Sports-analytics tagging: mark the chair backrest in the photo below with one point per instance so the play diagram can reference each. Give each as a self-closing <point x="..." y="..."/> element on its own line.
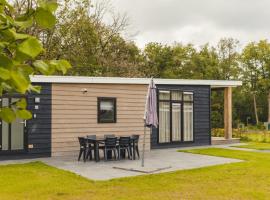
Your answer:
<point x="91" y="137"/>
<point x="109" y="135"/>
<point x="82" y="141"/>
<point x="136" y="138"/>
<point x="124" y="141"/>
<point x="110" y="141"/>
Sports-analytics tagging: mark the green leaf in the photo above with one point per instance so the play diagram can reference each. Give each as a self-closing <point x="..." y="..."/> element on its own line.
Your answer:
<point x="7" y="114"/>
<point x="11" y="33"/>
<point x="20" y="57"/>
<point x="35" y="88"/>
<point x="5" y="3"/>
<point x="61" y="65"/>
<point x="25" y="69"/>
<point x="52" y="69"/>
<point x="42" y="67"/>
<point x="21" y="103"/>
<point x="20" y="82"/>
<point x="5" y="86"/>
<point x="3" y="44"/>
<point x="23" y="114"/>
<point x="24" y="24"/>
<point x="4" y="73"/>
<point x="48" y="5"/>
<point x="44" y="18"/>
<point x="5" y="61"/>
<point x="30" y="47"/>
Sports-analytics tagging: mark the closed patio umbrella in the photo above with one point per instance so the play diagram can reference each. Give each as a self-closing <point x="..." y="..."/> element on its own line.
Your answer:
<point x="150" y="114"/>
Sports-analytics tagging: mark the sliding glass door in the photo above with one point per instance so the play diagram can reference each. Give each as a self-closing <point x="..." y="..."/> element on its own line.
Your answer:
<point x="12" y="135"/>
<point x="175" y="116"/>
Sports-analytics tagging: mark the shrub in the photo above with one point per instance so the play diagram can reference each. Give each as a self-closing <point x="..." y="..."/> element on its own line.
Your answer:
<point x="244" y="135"/>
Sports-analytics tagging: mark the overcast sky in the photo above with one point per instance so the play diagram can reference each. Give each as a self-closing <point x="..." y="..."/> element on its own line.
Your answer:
<point x="196" y="21"/>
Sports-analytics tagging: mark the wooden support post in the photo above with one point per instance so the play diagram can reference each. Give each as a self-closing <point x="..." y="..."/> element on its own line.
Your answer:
<point x="228" y="113"/>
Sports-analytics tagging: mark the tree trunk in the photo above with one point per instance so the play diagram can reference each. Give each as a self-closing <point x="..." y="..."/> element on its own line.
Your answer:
<point x="255" y="109"/>
<point x="269" y="106"/>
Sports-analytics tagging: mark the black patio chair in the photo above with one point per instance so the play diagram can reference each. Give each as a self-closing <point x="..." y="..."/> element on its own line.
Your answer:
<point x="109" y="135"/>
<point x="136" y="143"/>
<point x="124" y="146"/>
<point x="91" y="136"/>
<point x="83" y="148"/>
<point x="90" y="147"/>
<point x="110" y="145"/>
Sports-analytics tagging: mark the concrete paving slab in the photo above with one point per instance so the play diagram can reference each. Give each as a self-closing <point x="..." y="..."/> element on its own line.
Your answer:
<point x="156" y="161"/>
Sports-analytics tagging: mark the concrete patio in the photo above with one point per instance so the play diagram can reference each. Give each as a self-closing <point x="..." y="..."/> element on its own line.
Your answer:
<point x="155" y="161"/>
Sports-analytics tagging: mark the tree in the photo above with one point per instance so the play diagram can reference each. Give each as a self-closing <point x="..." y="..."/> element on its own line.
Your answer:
<point x="251" y="73"/>
<point x="182" y="64"/>
<point x="263" y="47"/>
<point x="74" y="38"/>
<point x="157" y="60"/>
<point x="96" y="48"/>
<point x="102" y="50"/>
<point x="205" y="63"/>
<point x="228" y="58"/>
<point x="256" y="76"/>
<point x="20" y="52"/>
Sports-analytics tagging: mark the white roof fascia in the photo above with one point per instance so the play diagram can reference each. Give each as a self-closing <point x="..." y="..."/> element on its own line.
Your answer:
<point x="141" y="81"/>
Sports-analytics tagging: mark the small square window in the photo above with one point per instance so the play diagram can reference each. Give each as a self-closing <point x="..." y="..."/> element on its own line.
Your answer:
<point x="176" y="95"/>
<point x="106" y="110"/>
<point x="164" y="94"/>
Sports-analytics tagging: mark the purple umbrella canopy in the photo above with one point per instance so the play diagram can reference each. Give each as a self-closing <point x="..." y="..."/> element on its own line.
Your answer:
<point x="150" y="114"/>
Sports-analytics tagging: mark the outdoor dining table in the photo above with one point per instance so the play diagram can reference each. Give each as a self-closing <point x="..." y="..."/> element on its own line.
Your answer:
<point x="101" y="140"/>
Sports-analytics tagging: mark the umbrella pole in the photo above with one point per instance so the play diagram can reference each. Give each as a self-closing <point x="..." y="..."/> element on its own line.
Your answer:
<point x="143" y="145"/>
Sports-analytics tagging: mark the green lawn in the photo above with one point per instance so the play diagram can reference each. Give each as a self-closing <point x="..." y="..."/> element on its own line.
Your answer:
<point x="255" y="145"/>
<point x="244" y="180"/>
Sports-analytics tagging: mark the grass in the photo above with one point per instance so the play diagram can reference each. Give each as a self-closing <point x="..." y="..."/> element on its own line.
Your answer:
<point x="245" y="135"/>
<point x="241" y="181"/>
<point x="263" y="137"/>
<point x="255" y="145"/>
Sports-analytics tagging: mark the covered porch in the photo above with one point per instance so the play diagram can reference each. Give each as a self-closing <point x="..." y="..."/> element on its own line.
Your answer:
<point x="227" y="117"/>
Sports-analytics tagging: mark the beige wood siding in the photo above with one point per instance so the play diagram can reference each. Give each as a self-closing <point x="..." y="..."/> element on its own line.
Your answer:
<point x="74" y="113"/>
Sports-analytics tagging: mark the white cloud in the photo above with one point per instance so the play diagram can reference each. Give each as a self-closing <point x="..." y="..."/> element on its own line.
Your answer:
<point x="196" y="21"/>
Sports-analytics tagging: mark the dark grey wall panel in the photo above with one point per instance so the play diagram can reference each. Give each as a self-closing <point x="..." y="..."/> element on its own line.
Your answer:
<point x="202" y="127"/>
<point x="39" y="128"/>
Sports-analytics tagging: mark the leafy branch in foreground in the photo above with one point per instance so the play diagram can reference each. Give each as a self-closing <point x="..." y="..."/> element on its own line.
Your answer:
<point x="19" y="53"/>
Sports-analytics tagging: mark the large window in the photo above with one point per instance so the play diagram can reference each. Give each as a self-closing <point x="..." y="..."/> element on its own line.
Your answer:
<point x="175" y="116"/>
<point x="106" y="110"/>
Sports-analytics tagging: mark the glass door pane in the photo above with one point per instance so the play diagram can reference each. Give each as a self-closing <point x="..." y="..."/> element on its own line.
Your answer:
<point x="5" y="127"/>
<point x="164" y="122"/>
<point x="12" y="135"/>
<point x="17" y="135"/>
<point x="17" y="132"/>
<point x="188" y="121"/>
<point x="176" y="122"/>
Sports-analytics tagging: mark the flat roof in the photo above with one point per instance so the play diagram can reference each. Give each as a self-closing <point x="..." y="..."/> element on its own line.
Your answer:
<point x="141" y="81"/>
